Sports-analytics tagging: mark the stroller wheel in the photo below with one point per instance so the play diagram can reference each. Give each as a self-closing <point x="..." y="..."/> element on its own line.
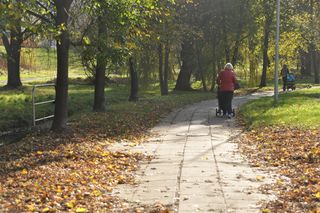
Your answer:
<point x="233" y="113"/>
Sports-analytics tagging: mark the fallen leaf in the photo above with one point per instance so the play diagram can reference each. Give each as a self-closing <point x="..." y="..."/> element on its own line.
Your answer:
<point x="81" y="210"/>
<point x="24" y="172"/>
<point x="317" y="195"/>
<point x="259" y="178"/>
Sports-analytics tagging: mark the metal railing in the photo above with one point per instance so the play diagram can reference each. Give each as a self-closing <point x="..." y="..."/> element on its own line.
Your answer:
<point x="34" y="103"/>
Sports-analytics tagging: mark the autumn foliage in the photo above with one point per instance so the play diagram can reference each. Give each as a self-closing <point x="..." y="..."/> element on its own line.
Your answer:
<point x="295" y="154"/>
<point x="76" y="172"/>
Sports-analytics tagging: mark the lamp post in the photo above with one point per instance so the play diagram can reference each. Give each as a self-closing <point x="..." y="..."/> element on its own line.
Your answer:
<point x="276" y="73"/>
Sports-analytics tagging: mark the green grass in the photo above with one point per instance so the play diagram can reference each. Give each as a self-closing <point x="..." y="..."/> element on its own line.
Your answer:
<point x="16" y="106"/>
<point x="295" y="109"/>
<point x="40" y="64"/>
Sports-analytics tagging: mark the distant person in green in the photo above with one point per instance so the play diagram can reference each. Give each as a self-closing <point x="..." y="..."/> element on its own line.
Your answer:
<point x="284" y="74"/>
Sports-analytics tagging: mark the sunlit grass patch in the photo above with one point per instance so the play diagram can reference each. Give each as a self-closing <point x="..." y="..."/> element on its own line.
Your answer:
<point x="295" y="109"/>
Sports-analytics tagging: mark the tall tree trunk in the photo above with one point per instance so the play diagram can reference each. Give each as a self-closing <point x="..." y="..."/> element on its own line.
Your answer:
<point x="63" y="42"/>
<point x="184" y="77"/>
<point x="13" y="49"/>
<point x="134" y="81"/>
<point x="146" y="66"/>
<point x="309" y="65"/>
<point x="252" y="58"/>
<point x="99" y="93"/>
<point x="161" y="80"/>
<point x="200" y="70"/>
<point x="317" y="61"/>
<point x="239" y="33"/>
<point x="315" y="67"/>
<point x="252" y="65"/>
<point x="166" y="69"/>
<point x="265" y="65"/>
<point x="303" y="62"/>
<point x="312" y="45"/>
<point x="224" y="31"/>
<point x="214" y="62"/>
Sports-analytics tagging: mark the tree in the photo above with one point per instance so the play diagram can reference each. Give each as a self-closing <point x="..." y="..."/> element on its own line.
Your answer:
<point x="63" y="44"/>
<point x="134" y="85"/>
<point x="55" y="16"/>
<point x="187" y="58"/>
<point x="104" y="42"/>
<point x="99" y="94"/>
<point x="187" y="53"/>
<point x="268" y="12"/>
<point x="15" y="27"/>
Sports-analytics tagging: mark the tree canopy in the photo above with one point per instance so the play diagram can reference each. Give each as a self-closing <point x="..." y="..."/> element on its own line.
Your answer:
<point x="180" y="40"/>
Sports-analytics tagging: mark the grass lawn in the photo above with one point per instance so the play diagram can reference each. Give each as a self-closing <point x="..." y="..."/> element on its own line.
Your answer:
<point x="295" y="109"/>
<point x="39" y="63"/>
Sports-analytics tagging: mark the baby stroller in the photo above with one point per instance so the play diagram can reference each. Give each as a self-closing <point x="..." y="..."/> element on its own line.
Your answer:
<point x="291" y="81"/>
<point x="219" y="111"/>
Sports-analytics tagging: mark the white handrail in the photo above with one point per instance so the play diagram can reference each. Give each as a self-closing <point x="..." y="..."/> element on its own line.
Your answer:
<point x="34" y="104"/>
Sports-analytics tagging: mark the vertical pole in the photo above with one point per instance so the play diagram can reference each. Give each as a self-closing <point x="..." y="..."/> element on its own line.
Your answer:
<point x="33" y="106"/>
<point x="276" y="73"/>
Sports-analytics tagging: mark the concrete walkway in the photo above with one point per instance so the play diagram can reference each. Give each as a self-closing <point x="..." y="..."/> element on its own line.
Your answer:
<point x="197" y="167"/>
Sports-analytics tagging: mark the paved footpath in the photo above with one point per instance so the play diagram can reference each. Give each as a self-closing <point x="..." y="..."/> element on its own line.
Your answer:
<point x="197" y="167"/>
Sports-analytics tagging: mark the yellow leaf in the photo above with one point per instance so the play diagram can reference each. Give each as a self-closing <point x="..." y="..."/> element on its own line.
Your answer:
<point x="96" y="193"/>
<point x="81" y="210"/>
<point x="259" y="178"/>
<point x="266" y="210"/>
<point x="69" y="205"/>
<point x="104" y="154"/>
<point x="39" y="152"/>
<point x="59" y="190"/>
<point x="45" y="209"/>
<point x="280" y="182"/>
<point x="24" y="172"/>
<point x="31" y="208"/>
<point x="317" y="195"/>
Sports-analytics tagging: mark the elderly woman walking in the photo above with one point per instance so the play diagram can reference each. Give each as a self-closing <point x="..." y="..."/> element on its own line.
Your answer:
<point x="226" y="82"/>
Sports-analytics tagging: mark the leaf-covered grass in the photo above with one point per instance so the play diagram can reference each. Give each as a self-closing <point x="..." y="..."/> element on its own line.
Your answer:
<point x="286" y="138"/>
<point x="77" y="171"/>
<point x="296" y="109"/>
<point x="17" y="104"/>
<point x="295" y="155"/>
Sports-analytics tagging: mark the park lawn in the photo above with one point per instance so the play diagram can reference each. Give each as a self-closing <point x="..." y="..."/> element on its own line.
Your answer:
<point x="17" y="105"/>
<point x="41" y="63"/>
<point x="286" y="137"/>
<point x="295" y="109"/>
